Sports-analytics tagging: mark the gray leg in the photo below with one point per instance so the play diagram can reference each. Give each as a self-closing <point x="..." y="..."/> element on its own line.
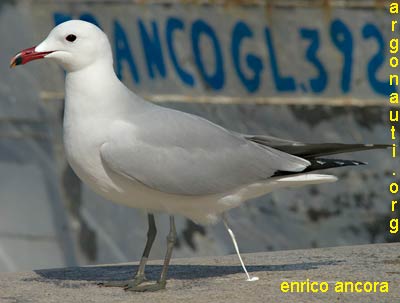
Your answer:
<point x="171" y="239"/>
<point x="139" y="276"/>
<point x="162" y="282"/>
<point x="151" y="235"/>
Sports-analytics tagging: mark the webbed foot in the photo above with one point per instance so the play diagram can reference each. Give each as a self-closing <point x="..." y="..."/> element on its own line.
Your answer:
<point x="124" y="283"/>
<point x="147" y="287"/>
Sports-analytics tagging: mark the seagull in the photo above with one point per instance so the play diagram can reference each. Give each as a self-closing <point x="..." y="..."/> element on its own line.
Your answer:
<point x="146" y="156"/>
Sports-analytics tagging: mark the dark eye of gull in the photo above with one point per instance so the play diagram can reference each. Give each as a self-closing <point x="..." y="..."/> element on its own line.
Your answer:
<point x="70" y="38"/>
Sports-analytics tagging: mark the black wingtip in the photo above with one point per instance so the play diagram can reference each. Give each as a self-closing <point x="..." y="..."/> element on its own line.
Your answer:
<point x="359" y="162"/>
<point x="313" y="151"/>
<point x="377" y="146"/>
<point x="323" y="163"/>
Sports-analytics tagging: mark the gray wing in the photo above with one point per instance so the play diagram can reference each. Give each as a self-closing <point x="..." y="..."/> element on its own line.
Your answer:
<point x="179" y="153"/>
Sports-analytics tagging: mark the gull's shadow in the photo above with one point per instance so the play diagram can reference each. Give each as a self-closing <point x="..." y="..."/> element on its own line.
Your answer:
<point x="184" y="272"/>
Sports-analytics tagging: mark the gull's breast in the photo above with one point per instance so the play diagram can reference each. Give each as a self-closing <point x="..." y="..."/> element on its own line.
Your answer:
<point x="82" y="141"/>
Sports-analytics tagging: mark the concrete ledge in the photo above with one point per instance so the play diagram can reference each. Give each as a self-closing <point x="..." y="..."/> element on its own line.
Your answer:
<point x="220" y="279"/>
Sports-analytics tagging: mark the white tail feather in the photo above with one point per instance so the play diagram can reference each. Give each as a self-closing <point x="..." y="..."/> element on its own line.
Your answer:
<point x="304" y="179"/>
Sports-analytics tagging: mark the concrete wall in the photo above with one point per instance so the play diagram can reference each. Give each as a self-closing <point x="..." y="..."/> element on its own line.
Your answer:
<point x="313" y="72"/>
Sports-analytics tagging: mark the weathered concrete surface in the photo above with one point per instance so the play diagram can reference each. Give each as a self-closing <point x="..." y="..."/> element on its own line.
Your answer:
<point x="221" y="279"/>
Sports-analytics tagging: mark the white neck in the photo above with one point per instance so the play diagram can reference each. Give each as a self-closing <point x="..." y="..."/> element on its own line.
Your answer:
<point x="96" y="91"/>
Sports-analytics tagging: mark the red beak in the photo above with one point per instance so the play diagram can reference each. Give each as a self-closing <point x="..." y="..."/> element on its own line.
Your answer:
<point x="27" y="55"/>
